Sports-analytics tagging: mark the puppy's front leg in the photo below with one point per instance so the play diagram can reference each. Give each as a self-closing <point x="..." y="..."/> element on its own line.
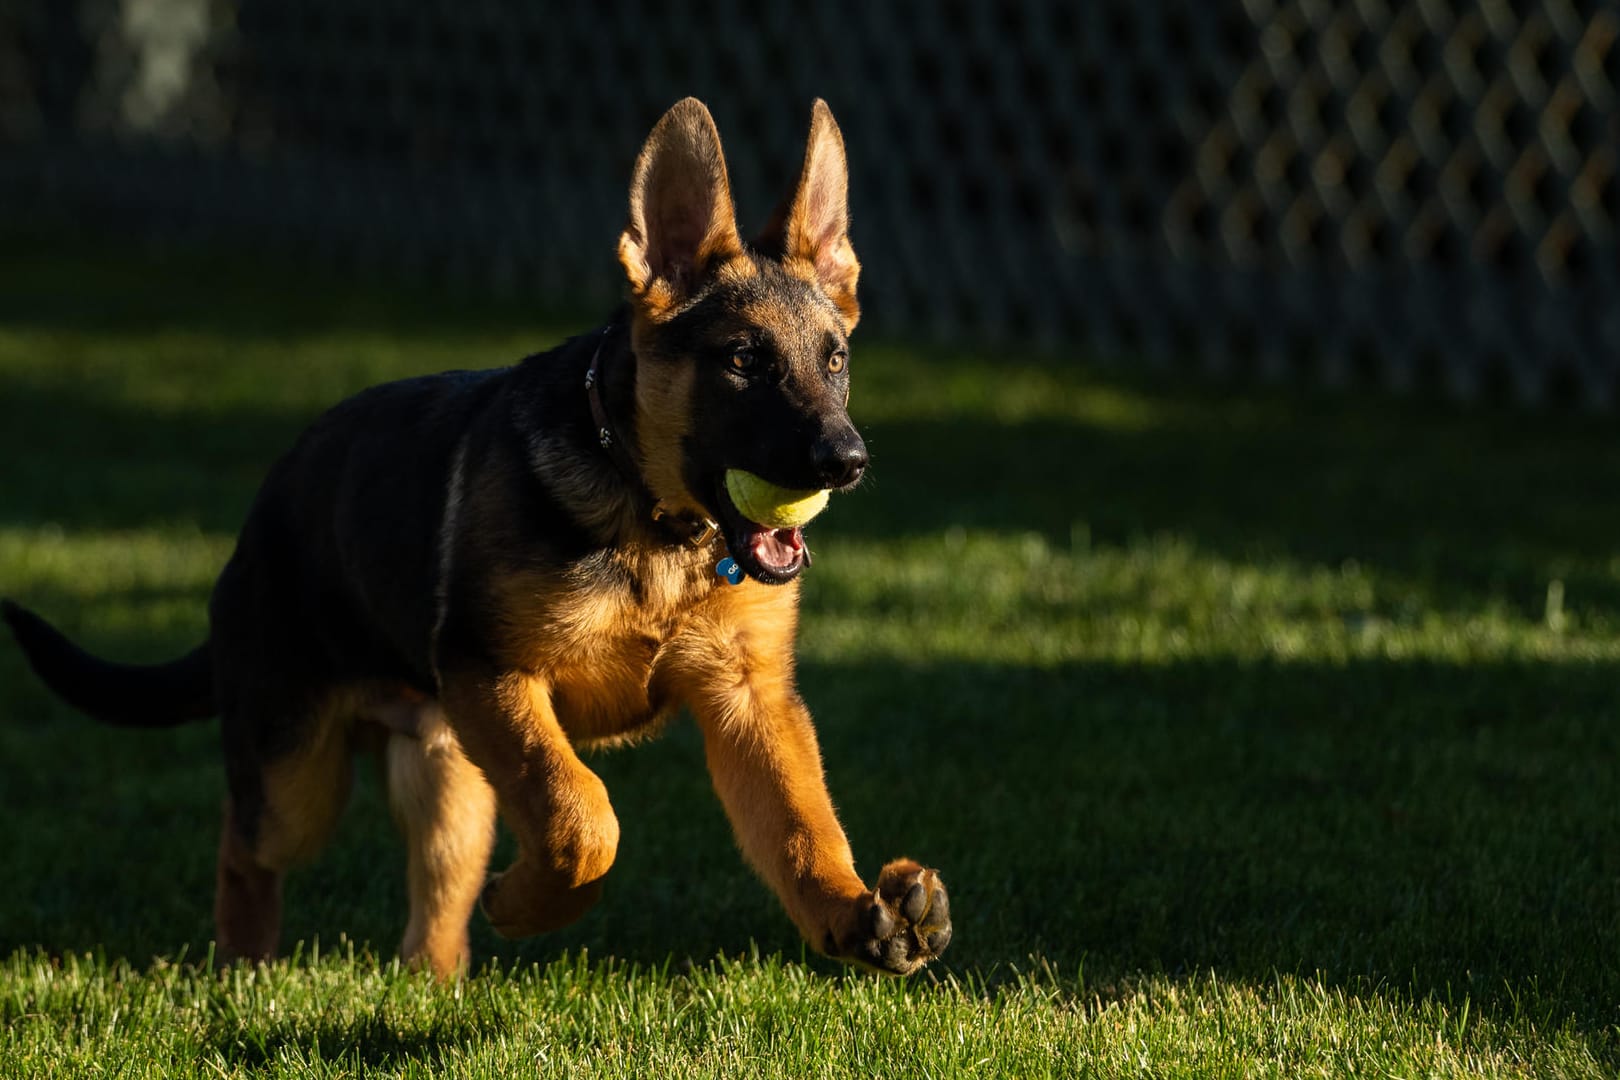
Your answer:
<point x="566" y="830"/>
<point x="766" y="766"/>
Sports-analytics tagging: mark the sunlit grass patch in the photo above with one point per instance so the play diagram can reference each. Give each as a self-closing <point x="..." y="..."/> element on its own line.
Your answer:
<point x="338" y="1016"/>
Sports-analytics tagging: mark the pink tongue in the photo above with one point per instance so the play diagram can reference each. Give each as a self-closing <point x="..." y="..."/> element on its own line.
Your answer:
<point x="778" y="547"/>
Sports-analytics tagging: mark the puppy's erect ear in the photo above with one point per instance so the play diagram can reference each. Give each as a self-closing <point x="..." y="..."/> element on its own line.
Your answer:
<point x="681" y="217"/>
<point x="811" y="229"/>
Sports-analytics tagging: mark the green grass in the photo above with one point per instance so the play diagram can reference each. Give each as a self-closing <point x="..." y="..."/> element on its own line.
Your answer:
<point x="1257" y="733"/>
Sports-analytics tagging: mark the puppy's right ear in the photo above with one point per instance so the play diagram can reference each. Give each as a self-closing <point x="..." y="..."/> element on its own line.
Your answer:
<point x="681" y="217"/>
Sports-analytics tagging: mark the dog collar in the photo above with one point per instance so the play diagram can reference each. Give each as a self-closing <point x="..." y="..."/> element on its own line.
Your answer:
<point x="695" y="530"/>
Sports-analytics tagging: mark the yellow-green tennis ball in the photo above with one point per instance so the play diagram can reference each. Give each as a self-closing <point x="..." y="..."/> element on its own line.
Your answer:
<point x="776" y="507"/>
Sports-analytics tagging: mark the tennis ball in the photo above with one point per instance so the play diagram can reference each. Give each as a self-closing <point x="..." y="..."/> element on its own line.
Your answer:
<point x="776" y="507"/>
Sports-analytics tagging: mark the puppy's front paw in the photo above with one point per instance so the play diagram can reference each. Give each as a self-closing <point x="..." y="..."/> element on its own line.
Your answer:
<point x="903" y="924"/>
<point x="524" y="900"/>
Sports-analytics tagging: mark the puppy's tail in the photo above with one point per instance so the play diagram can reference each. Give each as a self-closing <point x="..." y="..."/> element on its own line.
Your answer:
<point x="126" y="695"/>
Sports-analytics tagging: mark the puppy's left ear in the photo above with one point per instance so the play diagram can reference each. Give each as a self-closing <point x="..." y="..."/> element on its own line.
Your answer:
<point x="811" y="229"/>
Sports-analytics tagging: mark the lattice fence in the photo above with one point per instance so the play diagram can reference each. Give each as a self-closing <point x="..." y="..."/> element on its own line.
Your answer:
<point x="1423" y="194"/>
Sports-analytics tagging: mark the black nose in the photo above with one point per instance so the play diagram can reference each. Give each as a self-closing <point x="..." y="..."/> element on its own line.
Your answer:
<point x="839" y="459"/>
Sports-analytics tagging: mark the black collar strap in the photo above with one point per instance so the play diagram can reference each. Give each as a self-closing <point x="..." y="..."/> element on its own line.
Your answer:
<point x="695" y="530"/>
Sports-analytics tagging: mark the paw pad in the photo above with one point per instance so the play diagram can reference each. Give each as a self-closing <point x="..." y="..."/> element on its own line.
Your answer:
<point x="906" y="921"/>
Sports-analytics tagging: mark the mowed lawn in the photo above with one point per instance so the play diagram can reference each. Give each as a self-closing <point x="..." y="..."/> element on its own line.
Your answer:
<point x="1256" y="732"/>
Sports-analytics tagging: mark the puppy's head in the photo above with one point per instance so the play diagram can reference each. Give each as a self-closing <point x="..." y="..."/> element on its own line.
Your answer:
<point x="742" y="351"/>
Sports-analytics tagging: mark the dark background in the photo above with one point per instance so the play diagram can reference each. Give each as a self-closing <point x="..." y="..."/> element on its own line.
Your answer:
<point x="1417" y="195"/>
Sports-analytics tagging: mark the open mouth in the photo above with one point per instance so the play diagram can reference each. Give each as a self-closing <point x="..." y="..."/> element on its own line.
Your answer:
<point x="771" y="556"/>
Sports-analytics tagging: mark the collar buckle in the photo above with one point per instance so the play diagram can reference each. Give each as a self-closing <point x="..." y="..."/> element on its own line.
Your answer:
<point x="700" y="532"/>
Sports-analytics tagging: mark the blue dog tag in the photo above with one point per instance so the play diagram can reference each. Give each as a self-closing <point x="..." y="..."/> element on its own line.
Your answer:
<point x="728" y="569"/>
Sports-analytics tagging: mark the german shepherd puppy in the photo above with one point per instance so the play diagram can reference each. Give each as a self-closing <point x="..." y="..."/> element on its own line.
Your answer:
<point x="482" y="572"/>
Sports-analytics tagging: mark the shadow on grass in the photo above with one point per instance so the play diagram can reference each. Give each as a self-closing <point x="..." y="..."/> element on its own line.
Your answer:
<point x="1432" y="829"/>
<point x="372" y="1041"/>
<point x="82" y="458"/>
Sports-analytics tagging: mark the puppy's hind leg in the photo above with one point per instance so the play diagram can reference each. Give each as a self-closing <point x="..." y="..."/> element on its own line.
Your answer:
<point x="446" y="810"/>
<point x="247" y="897"/>
<point x="278" y="814"/>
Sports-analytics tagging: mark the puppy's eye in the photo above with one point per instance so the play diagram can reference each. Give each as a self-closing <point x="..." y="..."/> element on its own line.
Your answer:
<point x="838" y="361"/>
<point x="743" y="360"/>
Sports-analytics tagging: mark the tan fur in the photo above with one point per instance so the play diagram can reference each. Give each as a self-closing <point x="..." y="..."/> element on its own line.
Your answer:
<point x="605" y="664"/>
<point x="446" y="810"/>
<point x="660" y="430"/>
<point x="558" y="809"/>
<point x="600" y="654"/>
<point x="734" y="666"/>
<point x="736" y="270"/>
<point x="305" y="791"/>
